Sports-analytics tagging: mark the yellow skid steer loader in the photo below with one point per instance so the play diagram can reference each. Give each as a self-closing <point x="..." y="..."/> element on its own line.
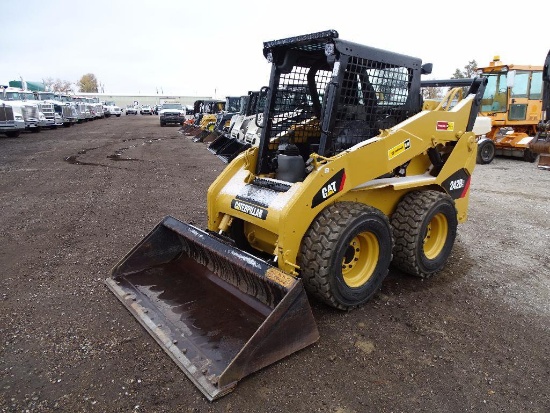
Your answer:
<point x="349" y="176"/>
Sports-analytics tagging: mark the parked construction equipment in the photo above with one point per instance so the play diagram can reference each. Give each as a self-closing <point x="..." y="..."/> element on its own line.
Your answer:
<point x="220" y="120"/>
<point x="513" y="101"/>
<point x="205" y="116"/>
<point x="337" y="187"/>
<point x="232" y="142"/>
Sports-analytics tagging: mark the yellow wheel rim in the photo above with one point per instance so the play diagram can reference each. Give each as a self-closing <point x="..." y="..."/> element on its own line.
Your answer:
<point x="360" y="259"/>
<point x="436" y="235"/>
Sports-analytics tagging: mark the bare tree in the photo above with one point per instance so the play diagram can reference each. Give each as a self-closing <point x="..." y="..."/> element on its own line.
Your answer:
<point x="57" y="85"/>
<point x="48" y="83"/>
<point x="62" y="86"/>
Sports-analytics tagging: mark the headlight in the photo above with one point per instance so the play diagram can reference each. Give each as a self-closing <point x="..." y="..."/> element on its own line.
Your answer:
<point x="18" y="117"/>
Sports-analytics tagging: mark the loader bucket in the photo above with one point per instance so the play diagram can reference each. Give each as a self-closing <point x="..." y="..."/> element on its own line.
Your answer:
<point x="201" y="135"/>
<point x="542" y="148"/>
<point x="185" y="127"/>
<point x="231" y="149"/>
<point x="212" y="136"/>
<point x="206" y="136"/>
<point x="218" y="143"/>
<point x="219" y="312"/>
<point x="544" y="161"/>
<point x="194" y="131"/>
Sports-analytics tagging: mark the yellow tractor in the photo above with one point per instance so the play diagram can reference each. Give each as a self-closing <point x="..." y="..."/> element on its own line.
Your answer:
<point x="513" y="102"/>
<point x="349" y="176"/>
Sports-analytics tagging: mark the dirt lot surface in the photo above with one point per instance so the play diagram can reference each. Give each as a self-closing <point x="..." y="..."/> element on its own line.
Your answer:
<point x="475" y="338"/>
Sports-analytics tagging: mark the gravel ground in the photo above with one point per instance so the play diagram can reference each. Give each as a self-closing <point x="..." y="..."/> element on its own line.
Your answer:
<point x="75" y="200"/>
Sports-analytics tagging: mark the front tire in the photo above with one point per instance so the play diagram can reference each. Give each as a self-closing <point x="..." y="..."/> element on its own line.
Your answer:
<point x="424" y="227"/>
<point x="13" y="134"/>
<point x="485" y="152"/>
<point x="345" y="254"/>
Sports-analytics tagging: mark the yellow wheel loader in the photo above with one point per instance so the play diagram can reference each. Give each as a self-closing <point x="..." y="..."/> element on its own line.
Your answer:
<point x="513" y="102"/>
<point x="346" y="179"/>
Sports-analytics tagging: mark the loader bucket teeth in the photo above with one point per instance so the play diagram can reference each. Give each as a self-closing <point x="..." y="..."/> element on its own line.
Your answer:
<point x="220" y="313"/>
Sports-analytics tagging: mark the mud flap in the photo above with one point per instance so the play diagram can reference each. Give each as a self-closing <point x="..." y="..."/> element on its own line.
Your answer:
<point x="219" y="312"/>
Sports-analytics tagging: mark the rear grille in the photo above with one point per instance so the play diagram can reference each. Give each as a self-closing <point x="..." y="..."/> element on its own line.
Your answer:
<point x="6" y="113"/>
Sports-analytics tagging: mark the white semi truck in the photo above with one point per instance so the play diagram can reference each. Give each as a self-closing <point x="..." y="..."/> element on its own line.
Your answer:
<point x="27" y="109"/>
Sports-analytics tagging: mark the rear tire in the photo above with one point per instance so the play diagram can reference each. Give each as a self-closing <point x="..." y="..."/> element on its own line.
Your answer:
<point x="13" y="134"/>
<point x="345" y="254"/>
<point x="424" y="227"/>
<point x="485" y="152"/>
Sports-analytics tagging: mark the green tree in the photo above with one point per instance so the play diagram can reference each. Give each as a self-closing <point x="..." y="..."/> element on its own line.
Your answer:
<point x="88" y="84"/>
<point x="468" y="72"/>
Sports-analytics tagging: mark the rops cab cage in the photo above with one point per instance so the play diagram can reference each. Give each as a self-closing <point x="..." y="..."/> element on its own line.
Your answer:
<point x="328" y="94"/>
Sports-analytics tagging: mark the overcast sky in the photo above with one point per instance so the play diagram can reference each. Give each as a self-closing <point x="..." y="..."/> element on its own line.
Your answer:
<point x="179" y="47"/>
